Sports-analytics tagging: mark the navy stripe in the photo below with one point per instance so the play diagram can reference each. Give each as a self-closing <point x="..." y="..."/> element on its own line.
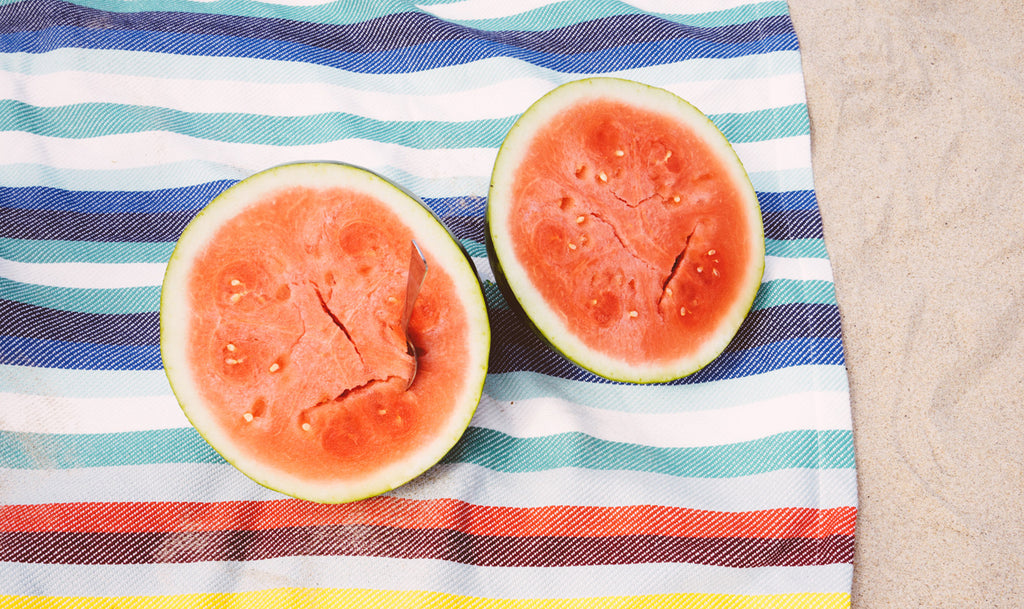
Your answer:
<point x="408" y="59"/>
<point x="31" y="321"/>
<point x="165" y="226"/>
<point x="386" y="33"/>
<point x="794" y="352"/>
<point x="106" y="227"/>
<point x="196" y="196"/>
<point x="793" y="224"/>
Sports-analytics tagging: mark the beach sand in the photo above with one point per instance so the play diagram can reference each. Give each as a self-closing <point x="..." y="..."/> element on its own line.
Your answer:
<point x="917" y="134"/>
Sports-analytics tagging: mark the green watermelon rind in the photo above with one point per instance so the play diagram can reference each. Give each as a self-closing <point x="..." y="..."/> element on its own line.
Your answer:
<point x="445" y="248"/>
<point x="517" y="290"/>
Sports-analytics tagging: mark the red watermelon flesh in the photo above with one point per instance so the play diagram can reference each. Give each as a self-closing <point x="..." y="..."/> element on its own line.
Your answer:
<point x="295" y="347"/>
<point x="624" y="226"/>
<point x="643" y="230"/>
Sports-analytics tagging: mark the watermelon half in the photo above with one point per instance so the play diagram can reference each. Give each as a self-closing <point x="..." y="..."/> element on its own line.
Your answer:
<point x="622" y="224"/>
<point x="281" y="333"/>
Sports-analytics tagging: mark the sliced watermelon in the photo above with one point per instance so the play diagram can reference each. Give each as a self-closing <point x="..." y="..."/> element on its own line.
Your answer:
<point x="624" y="227"/>
<point x="281" y="333"/>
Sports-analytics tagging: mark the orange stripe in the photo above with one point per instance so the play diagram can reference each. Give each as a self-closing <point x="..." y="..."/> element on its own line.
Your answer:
<point x="561" y="521"/>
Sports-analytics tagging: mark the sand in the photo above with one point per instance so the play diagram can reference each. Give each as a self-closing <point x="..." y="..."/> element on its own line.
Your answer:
<point x="917" y="134"/>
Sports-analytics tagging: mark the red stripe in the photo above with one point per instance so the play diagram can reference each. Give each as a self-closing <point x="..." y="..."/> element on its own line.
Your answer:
<point x="561" y="521"/>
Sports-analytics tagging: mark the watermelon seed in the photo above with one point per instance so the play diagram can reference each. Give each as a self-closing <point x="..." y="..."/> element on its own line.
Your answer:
<point x="236" y="282"/>
<point x="382" y="412"/>
<point x="230" y="347"/>
<point x="306" y="427"/>
<point x="633" y="314"/>
<point x="668" y="155"/>
<point x="603" y="176"/>
<point x="682" y="311"/>
<point x="580" y="219"/>
<point x="711" y="252"/>
<point x="231" y="362"/>
<point x="593" y="302"/>
<point x="676" y="198"/>
<point x="248" y="417"/>
<point x="700" y="269"/>
<point x="275" y="367"/>
<point x="235" y="298"/>
<point x="714" y="272"/>
<point x="392" y="300"/>
<point x="668" y="291"/>
<point x="620" y="153"/>
<point x="572" y="246"/>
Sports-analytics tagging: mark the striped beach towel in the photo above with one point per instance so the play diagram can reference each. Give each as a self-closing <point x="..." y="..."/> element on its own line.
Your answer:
<point x="120" y="119"/>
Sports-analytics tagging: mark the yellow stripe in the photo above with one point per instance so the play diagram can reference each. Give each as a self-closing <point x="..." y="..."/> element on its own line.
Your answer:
<point x="372" y="599"/>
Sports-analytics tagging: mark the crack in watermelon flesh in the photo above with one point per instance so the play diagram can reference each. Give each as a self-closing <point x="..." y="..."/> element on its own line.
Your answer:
<point x="296" y="335"/>
<point x="646" y="281"/>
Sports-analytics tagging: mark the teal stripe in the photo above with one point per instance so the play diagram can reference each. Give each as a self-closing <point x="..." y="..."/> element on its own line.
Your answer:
<point x="101" y="119"/>
<point x="82" y="383"/>
<point x="341" y="12"/>
<point x="66" y="451"/>
<point x="429" y="82"/>
<point x="783" y="181"/>
<point x="660" y="399"/>
<point x="83" y="300"/>
<point x="828" y="449"/>
<point x="761" y="125"/>
<point x="790" y="291"/>
<point x="474" y="248"/>
<point x="563" y="14"/>
<point x="154" y="177"/>
<point x="796" y="248"/>
<point x="40" y="251"/>
<point x="553" y="16"/>
<point x="145" y="299"/>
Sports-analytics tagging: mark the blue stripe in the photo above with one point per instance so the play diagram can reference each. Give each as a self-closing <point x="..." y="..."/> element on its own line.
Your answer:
<point x="42" y="353"/>
<point x="409" y="59"/>
<point x="192" y="198"/>
<point x="186" y="198"/>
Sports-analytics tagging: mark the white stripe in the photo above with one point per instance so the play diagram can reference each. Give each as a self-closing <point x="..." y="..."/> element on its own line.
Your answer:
<point x="496" y="100"/>
<point x="360" y="572"/>
<point x="806" y="487"/>
<point x="525" y="418"/>
<point x="140" y="274"/>
<point x="84" y="274"/>
<point x="48" y="414"/>
<point x="150" y="148"/>
<point x="547" y="416"/>
<point x="775" y="155"/>
<point x="803" y="269"/>
<point x="160" y="148"/>
<point x="483" y="269"/>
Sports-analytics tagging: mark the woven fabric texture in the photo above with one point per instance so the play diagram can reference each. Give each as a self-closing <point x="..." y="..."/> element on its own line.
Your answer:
<point x="734" y="487"/>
